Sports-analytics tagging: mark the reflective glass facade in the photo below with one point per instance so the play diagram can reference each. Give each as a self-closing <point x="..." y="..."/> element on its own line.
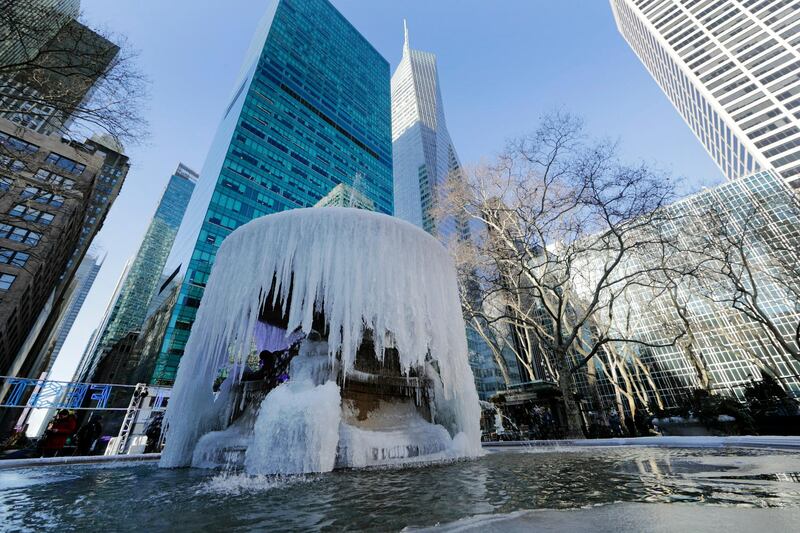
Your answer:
<point x="423" y="159"/>
<point x="312" y="110"/>
<point x="760" y="210"/>
<point x="423" y="152"/>
<point x="84" y="279"/>
<point x="128" y="309"/>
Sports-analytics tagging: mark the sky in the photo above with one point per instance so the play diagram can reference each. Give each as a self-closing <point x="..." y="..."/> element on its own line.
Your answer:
<point x="502" y="64"/>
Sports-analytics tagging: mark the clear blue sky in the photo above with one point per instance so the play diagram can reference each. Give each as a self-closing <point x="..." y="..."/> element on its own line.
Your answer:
<point x="502" y="64"/>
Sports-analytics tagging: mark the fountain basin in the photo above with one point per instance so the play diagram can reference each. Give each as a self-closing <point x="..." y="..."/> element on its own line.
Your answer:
<point x="552" y="489"/>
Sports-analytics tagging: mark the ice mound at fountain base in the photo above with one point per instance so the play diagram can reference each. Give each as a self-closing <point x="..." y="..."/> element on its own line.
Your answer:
<point x="297" y="430"/>
<point x="226" y="448"/>
<point x="393" y="434"/>
<point x="373" y="280"/>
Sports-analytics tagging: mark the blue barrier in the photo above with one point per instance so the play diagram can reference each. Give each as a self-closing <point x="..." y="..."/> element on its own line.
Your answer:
<point x="47" y="394"/>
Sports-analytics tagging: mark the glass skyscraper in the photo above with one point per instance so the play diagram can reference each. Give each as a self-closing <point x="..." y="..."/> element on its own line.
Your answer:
<point x="311" y="110"/>
<point x="732" y="70"/>
<point x="760" y="211"/>
<point x="127" y="311"/>
<point x="81" y="285"/>
<point x="423" y="152"/>
<point x="423" y="159"/>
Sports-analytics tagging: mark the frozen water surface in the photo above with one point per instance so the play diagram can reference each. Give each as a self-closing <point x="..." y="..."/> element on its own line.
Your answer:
<point x="600" y="489"/>
<point x="623" y="517"/>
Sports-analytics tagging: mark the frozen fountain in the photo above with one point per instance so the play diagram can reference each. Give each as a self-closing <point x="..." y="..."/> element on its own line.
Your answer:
<point x="356" y="321"/>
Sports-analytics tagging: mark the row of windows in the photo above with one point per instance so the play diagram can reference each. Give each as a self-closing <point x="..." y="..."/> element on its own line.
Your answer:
<point x="53" y="158"/>
<point x="30" y="214"/>
<point x="17" y="144"/>
<point x="17" y="234"/>
<point x="13" y="257"/>
<point x="14" y="164"/>
<point x="65" y="163"/>
<point x="55" y="179"/>
<point x="41" y="175"/>
<point x="43" y="197"/>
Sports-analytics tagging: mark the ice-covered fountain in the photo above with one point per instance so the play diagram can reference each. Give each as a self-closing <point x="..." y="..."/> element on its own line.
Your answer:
<point x="355" y="318"/>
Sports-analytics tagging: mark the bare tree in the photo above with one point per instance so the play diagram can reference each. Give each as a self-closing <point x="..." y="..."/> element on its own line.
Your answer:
<point x="59" y="77"/>
<point x="558" y="222"/>
<point x="74" y="81"/>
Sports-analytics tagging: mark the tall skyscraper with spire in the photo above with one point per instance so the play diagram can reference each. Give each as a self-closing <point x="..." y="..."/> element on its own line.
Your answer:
<point x="424" y="158"/>
<point x="732" y="70"/>
<point x="422" y="151"/>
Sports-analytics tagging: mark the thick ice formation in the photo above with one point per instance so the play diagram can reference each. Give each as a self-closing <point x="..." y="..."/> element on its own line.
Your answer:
<point x="298" y="426"/>
<point x="364" y="271"/>
<point x="297" y="430"/>
<point x="394" y="434"/>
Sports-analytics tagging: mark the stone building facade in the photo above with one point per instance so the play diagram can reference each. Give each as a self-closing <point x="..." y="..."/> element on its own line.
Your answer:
<point x="45" y="189"/>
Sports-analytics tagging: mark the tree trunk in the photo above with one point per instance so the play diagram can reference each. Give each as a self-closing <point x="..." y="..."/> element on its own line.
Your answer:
<point x="571" y="409"/>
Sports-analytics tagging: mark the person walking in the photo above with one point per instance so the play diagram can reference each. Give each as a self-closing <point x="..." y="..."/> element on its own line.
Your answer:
<point x="60" y="429"/>
<point x="88" y="435"/>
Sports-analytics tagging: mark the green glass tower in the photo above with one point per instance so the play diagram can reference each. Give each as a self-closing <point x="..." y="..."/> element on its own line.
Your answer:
<point x="311" y="110"/>
<point x="128" y="309"/>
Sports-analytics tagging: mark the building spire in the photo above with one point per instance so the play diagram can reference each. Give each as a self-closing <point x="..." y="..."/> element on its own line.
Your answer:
<point x="406" y="47"/>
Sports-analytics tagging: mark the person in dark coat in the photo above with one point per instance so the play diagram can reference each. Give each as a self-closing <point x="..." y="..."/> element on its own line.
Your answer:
<point x="61" y="428"/>
<point x="153" y="433"/>
<point x="88" y="435"/>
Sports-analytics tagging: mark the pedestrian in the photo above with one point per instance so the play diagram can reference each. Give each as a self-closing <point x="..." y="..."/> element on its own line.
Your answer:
<point x="153" y="433"/>
<point x="88" y="435"/>
<point x="60" y="429"/>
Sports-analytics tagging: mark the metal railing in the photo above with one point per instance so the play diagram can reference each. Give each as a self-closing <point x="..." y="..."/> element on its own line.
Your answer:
<point x="27" y="393"/>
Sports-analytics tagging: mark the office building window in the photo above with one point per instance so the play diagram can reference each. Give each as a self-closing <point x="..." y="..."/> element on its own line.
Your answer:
<point x="30" y="214"/>
<point x="6" y="280"/>
<point x="17" y="144"/>
<point x="17" y="234"/>
<point x="13" y="257"/>
<point x="65" y="163"/>
<point x="56" y="179"/>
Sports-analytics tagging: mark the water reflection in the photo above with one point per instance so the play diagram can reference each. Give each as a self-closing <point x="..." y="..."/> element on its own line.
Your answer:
<point x="144" y="497"/>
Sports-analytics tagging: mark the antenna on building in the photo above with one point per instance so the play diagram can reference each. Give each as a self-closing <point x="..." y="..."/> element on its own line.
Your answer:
<point x="406" y="46"/>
